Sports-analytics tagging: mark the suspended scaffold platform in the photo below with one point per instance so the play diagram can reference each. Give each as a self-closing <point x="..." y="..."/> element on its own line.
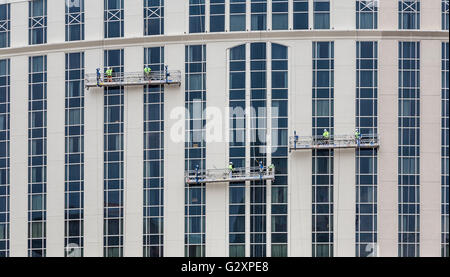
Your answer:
<point x="333" y="142"/>
<point x="155" y="78"/>
<point x="242" y="174"/>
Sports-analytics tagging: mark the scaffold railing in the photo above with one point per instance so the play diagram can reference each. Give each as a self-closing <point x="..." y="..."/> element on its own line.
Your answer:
<point x="338" y="141"/>
<point x="226" y="175"/>
<point x="166" y="77"/>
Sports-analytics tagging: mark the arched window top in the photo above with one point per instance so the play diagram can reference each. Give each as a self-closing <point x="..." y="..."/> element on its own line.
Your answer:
<point x="279" y="51"/>
<point x="238" y="52"/>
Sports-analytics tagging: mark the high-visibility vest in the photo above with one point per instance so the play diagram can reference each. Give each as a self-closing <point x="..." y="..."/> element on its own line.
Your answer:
<point x="326" y="134"/>
<point x="109" y="72"/>
<point x="356" y="134"/>
<point x="147" y="70"/>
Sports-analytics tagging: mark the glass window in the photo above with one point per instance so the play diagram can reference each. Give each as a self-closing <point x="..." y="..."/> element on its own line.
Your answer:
<point x="217" y="16"/>
<point x="153" y="17"/>
<point x="409" y="14"/>
<point x="37" y="152"/>
<point x="445" y="150"/>
<point x="367" y="14"/>
<point x="37" y="22"/>
<point x="258" y="15"/>
<point x="4" y="155"/>
<point x="321" y="14"/>
<point x="301" y="14"/>
<point x="113" y="18"/>
<point x="322" y="160"/>
<point x="408" y="147"/>
<point x="196" y="16"/>
<point x="445" y="18"/>
<point x="237" y="15"/>
<point x="195" y="150"/>
<point x="5" y="25"/>
<point x="74" y="20"/>
<point x="280" y="10"/>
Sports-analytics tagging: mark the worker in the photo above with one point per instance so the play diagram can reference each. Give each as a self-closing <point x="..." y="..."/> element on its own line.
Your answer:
<point x="98" y="77"/>
<point x="147" y="71"/>
<point x="357" y="134"/>
<point x="109" y="72"/>
<point x="325" y="136"/>
<point x="231" y="168"/>
<point x="357" y="137"/>
<point x="196" y="173"/>
<point x="261" y="166"/>
<point x="271" y="168"/>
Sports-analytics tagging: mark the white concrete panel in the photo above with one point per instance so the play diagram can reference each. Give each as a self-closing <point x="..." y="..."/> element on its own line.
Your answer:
<point x="300" y="162"/>
<point x="387" y="154"/>
<point x="176" y="17"/>
<point x="93" y="148"/>
<point x="430" y="149"/>
<point x="134" y="18"/>
<point x="134" y="145"/>
<point x="174" y="131"/>
<point x="388" y="15"/>
<point x="430" y="15"/>
<point x="344" y="160"/>
<point x="55" y="154"/>
<point x="19" y="157"/>
<point x="343" y="14"/>
<point x="19" y="24"/>
<point x="216" y="148"/>
<point x="94" y="27"/>
<point x="56" y="10"/>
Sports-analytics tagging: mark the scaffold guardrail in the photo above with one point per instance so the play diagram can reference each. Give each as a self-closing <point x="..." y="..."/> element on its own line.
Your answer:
<point x="169" y="77"/>
<point x="338" y="141"/>
<point x="226" y="175"/>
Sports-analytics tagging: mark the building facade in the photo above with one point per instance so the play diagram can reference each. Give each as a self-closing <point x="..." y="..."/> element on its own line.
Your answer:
<point x="101" y="168"/>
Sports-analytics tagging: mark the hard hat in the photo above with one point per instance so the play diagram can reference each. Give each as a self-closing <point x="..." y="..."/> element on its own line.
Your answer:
<point x="324" y="130"/>
<point x="231" y="162"/>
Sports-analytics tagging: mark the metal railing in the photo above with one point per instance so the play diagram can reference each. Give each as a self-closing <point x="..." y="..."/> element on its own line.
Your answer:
<point x="133" y="79"/>
<point x="226" y="175"/>
<point x="338" y="141"/>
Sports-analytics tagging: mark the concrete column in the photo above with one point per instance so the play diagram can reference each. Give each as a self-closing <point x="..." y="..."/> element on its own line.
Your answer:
<point x="291" y="15"/>
<point x="19" y="157"/>
<point x="344" y="159"/>
<point x="174" y="134"/>
<point x="56" y="30"/>
<point x="388" y="15"/>
<point x="269" y="17"/>
<point x="388" y="152"/>
<point x="216" y="149"/>
<point x="430" y="148"/>
<point x="134" y="18"/>
<point x="176" y="17"/>
<point x="430" y="15"/>
<point x="55" y="153"/>
<point x="94" y="22"/>
<point x="93" y="160"/>
<point x="134" y="157"/>
<point x="300" y="162"/>
<point x="19" y="25"/>
<point x="343" y="14"/>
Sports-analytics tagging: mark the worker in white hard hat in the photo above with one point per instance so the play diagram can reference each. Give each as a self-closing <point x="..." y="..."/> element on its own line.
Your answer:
<point x="109" y="72"/>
